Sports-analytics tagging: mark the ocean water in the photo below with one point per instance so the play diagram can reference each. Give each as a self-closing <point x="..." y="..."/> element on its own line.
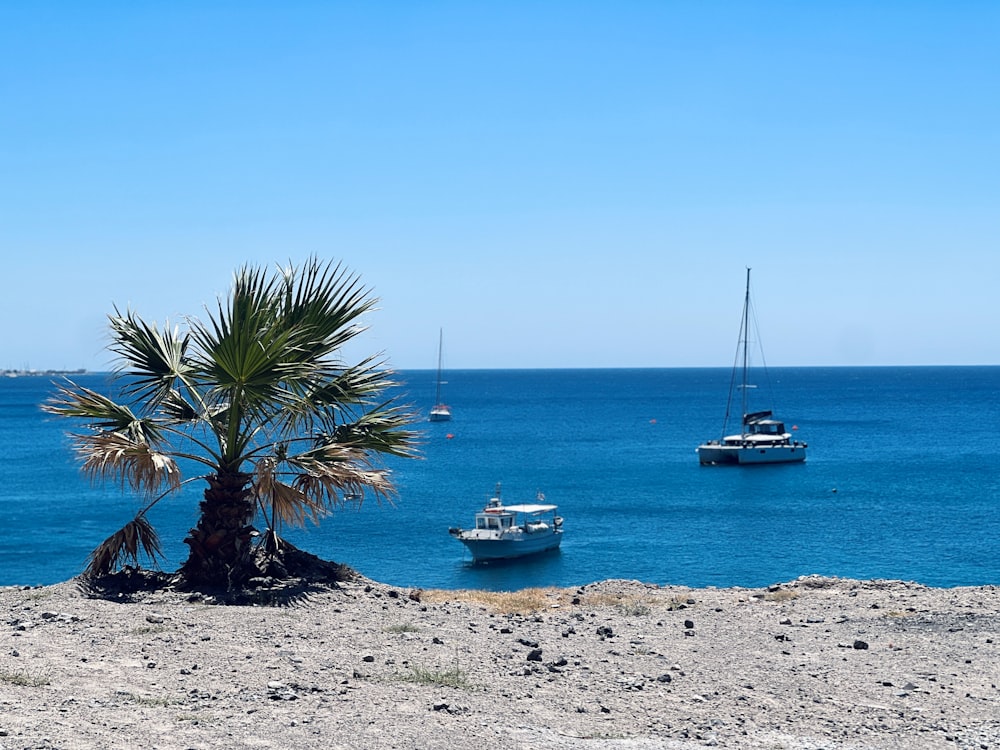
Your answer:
<point x="901" y="482"/>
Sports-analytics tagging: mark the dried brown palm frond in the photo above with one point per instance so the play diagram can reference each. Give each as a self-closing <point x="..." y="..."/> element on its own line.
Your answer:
<point x="124" y="545"/>
<point x="292" y="506"/>
<point x="116" y="456"/>
<point x="324" y="480"/>
<point x="286" y="504"/>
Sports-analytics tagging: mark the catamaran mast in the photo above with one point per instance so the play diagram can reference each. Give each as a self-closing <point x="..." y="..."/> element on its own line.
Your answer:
<point x="437" y="395"/>
<point x="746" y="336"/>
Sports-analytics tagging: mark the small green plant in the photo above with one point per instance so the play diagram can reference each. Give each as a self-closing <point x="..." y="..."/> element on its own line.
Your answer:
<point x="634" y="608"/>
<point x="402" y="627"/>
<point x="454" y="677"/>
<point x="24" y="679"/>
<point x="149" y="700"/>
<point x="781" y="595"/>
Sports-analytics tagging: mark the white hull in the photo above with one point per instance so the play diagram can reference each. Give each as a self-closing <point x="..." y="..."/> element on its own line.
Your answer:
<point x="507" y="532"/>
<point x="488" y="548"/>
<point x="440" y="414"/>
<point x="746" y="455"/>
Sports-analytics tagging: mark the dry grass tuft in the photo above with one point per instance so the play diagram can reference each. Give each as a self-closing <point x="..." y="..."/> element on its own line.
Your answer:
<point x="629" y="605"/>
<point x="24" y="679"/>
<point x="529" y="601"/>
<point x="781" y="595"/>
<point x="522" y="602"/>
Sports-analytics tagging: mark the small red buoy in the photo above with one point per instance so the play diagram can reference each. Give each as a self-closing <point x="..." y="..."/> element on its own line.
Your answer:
<point x="795" y="427"/>
<point x="652" y="421"/>
<point x="449" y="436"/>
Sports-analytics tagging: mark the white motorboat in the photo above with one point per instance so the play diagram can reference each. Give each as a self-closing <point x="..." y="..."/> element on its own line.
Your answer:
<point x="505" y="532"/>
<point x="763" y="439"/>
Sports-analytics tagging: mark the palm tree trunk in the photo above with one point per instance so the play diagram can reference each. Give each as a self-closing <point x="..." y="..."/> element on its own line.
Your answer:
<point x="221" y="550"/>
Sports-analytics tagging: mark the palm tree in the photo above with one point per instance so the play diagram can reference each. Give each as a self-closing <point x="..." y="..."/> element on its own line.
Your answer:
<point x="258" y="398"/>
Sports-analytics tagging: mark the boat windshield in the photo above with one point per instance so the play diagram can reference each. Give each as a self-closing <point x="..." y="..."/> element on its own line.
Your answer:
<point x="767" y="428"/>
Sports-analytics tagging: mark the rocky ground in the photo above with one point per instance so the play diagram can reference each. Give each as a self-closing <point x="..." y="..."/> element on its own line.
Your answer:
<point x="814" y="663"/>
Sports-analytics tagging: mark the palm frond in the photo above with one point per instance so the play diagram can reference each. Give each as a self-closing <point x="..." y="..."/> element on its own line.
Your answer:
<point x="326" y="484"/>
<point x="380" y="430"/>
<point x="176" y="408"/>
<point x="152" y="359"/>
<point x="124" y="545"/>
<point x="326" y="471"/>
<point x="243" y="354"/>
<point x="321" y="303"/>
<point x="291" y="505"/>
<point x="114" y="455"/>
<point x="98" y="410"/>
<point x="334" y="397"/>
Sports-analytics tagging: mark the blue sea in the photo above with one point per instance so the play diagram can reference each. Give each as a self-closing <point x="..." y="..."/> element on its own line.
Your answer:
<point x="901" y="482"/>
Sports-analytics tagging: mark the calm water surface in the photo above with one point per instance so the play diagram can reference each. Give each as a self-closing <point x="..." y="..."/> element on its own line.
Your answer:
<point x="901" y="482"/>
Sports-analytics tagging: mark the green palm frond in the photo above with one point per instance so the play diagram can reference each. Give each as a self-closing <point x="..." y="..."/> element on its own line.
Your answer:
<point x="124" y="545"/>
<point x="245" y="355"/>
<point x="337" y="398"/>
<point x="321" y="304"/>
<point x="152" y="359"/>
<point x="380" y="430"/>
<point x="99" y="411"/>
<point x="114" y="455"/>
<point x="176" y="408"/>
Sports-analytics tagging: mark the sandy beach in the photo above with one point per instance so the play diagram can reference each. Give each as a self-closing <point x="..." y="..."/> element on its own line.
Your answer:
<point x="812" y="663"/>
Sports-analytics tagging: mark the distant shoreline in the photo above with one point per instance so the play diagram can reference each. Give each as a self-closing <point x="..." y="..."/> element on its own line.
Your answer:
<point x="36" y="373"/>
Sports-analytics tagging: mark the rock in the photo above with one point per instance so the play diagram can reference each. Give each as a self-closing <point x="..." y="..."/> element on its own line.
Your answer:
<point x="860" y="645"/>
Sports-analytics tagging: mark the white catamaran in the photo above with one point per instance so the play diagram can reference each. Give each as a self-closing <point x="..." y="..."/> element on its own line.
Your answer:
<point x="763" y="439"/>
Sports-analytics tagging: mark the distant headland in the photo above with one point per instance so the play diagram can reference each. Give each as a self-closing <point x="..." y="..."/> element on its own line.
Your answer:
<point x="35" y="373"/>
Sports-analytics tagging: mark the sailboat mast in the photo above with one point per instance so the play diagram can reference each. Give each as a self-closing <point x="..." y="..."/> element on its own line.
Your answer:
<point x="437" y="395"/>
<point x="746" y="335"/>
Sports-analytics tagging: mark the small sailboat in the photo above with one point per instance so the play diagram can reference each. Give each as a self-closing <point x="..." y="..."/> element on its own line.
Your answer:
<point x="763" y="439"/>
<point x="440" y="412"/>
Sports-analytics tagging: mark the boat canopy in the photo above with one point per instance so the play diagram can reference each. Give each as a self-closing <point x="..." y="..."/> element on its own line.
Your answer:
<point x="529" y="508"/>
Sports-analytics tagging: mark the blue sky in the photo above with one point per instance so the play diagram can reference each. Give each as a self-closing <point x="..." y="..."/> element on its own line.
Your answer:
<point x="556" y="184"/>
